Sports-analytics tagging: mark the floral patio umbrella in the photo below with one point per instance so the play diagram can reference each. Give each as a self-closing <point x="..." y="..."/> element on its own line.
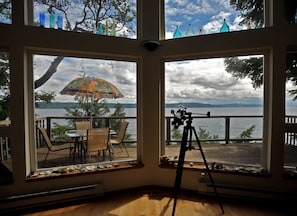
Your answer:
<point x="91" y="86"/>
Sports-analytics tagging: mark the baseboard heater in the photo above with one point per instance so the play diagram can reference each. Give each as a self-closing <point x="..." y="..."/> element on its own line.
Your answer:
<point x="51" y="196"/>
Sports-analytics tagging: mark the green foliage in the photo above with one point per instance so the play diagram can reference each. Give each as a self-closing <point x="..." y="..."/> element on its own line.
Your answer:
<point x="246" y="134"/>
<point x="250" y="10"/>
<point x="176" y="134"/>
<point x="250" y="67"/>
<point x="4" y="85"/>
<point x="58" y="132"/>
<point x="203" y="134"/>
<point x="5" y="10"/>
<point x="47" y="97"/>
<point x="119" y="112"/>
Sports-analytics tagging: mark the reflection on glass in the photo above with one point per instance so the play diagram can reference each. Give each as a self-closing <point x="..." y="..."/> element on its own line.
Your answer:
<point x="85" y="16"/>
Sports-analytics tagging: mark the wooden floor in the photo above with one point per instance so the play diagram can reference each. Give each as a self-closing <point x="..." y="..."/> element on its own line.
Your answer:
<point x="159" y="202"/>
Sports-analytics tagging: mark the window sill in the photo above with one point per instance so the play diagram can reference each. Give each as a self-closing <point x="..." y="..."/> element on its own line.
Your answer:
<point x="218" y="168"/>
<point x="81" y="170"/>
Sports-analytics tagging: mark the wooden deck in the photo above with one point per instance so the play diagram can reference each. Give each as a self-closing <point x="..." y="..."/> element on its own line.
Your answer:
<point x="243" y="153"/>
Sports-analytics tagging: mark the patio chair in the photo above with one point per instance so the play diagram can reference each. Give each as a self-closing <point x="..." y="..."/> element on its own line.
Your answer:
<point x="97" y="141"/>
<point x="83" y="125"/>
<point x="50" y="146"/>
<point x="119" y="140"/>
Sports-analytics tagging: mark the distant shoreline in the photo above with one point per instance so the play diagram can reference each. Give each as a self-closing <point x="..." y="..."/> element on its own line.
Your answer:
<point x="62" y="105"/>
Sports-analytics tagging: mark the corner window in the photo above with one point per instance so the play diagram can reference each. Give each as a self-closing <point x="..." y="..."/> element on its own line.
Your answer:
<point x="110" y="18"/>
<point x="74" y="96"/>
<point x="192" y="18"/>
<point x="231" y="90"/>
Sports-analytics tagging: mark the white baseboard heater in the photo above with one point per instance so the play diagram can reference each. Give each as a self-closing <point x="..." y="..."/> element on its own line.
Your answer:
<point x="51" y="196"/>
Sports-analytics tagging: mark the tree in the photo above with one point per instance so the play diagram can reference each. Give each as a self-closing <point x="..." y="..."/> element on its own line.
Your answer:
<point x="4" y="85"/>
<point x="119" y="112"/>
<point x="250" y="10"/>
<point x="92" y="13"/>
<point x="253" y="67"/>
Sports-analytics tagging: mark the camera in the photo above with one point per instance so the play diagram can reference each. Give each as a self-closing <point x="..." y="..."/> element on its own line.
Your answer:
<point x="179" y="116"/>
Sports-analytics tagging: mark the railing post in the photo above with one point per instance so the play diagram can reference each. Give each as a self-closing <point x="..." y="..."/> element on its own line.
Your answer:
<point x="48" y="126"/>
<point x="168" y="131"/>
<point x="227" y="129"/>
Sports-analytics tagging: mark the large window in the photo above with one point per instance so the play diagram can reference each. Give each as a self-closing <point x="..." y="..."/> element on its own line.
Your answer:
<point x="111" y="18"/>
<point x="190" y="17"/>
<point x="231" y="90"/>
<point x="100" y="92"/>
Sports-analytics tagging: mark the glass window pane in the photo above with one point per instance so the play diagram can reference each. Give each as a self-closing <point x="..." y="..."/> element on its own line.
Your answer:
<point x="5" y="11"/>
<point x="191" y="17"/>
<point x="113" y="18"/>
<point x="290" y="155"/>
<point x="231" y="93"/>
<point x="101" y="93"/>
<point x="6" y="176"/>
<point x="290" y="11"/>
<point x="4" y="89"/>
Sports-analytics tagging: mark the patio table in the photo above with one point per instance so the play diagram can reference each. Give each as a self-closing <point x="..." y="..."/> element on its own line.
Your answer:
<point x="77" y="136"/>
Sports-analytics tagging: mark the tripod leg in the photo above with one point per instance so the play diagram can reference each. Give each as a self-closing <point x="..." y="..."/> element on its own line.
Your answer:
<point x="180" y="165"/>
<point x="207" y="170"/>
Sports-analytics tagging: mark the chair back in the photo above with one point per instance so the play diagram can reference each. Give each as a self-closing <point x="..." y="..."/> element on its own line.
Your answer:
<point x="97" y="139"/>
<point x="45" y="137"/>
<point x="122" y="131"/>
<point x="83" y="125"/>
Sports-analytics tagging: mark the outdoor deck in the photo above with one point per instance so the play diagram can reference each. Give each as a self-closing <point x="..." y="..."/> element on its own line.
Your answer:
<point x="243" y="153"/>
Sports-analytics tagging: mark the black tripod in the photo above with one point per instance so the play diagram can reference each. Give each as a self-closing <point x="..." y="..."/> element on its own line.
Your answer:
<point x="186" y="144"/>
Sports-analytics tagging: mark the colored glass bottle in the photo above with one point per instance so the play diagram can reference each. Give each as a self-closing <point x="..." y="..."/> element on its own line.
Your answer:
<point x="60" y="22"/>
<point x="177" y="33"/>
<point x="41" y="20"/>
<point x="52" y="20"/>
<point x="113" y="29"/>
<point x="190" y="31"/>
<point x="225" y="27"/>
<point x="106" y="28"/>
<point x="200" y="30"/>
<point x="100" y="30"/>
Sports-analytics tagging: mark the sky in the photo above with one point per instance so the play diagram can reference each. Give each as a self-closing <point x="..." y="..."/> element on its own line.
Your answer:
<point x="203" y="81"/>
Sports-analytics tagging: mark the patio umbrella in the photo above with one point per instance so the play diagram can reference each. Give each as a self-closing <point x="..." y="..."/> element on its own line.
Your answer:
<point x="91" y="86"/>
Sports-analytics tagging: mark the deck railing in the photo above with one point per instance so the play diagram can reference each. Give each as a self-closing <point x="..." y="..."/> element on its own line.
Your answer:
<point x="290" y="137"/>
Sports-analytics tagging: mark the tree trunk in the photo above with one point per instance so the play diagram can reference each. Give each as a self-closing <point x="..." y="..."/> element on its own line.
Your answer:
<point x="48" y="74"/>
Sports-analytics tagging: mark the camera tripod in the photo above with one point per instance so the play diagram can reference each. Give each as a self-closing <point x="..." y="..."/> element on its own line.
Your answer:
<point x="185" y="146"/>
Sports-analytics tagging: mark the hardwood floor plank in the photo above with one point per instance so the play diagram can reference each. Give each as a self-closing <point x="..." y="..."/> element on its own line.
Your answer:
<point x="159" y="202"/>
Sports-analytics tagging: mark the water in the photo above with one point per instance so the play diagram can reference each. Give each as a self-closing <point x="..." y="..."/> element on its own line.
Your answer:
<point x="213" y="125"/>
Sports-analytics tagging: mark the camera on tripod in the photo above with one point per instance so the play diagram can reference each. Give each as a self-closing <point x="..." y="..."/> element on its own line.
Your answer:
<point x="181" y="115"/>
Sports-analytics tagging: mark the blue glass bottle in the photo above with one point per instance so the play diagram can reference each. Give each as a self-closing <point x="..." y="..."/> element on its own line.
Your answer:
<point x="177" y="33"/>
<point x="190" y="31"/>
<point x="225" y="27"/>
<point x="100" y="29"/>
<point x="42" y="20"/>
<point x="52" y="20"/>
<point x="60" y="22"/>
